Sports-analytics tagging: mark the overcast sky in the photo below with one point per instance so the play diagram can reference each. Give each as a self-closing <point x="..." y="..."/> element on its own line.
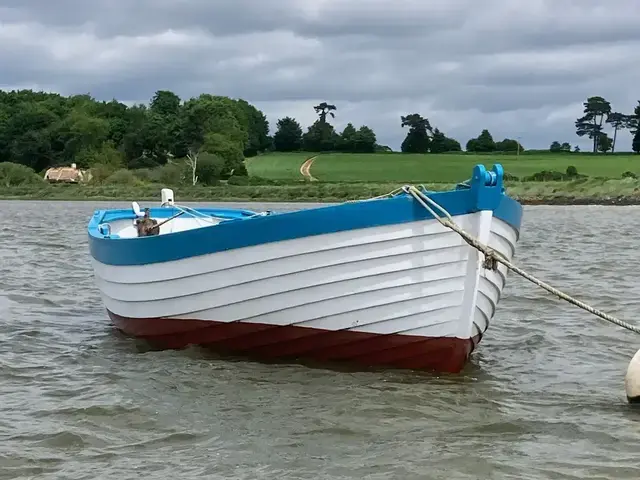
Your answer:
<point x="520" y="68"/>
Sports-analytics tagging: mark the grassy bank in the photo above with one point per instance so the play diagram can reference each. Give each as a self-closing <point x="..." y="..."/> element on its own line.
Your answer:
<point x="581" y="191"/>
<point x="436" y="168"/>
<point x="532" y="179"/>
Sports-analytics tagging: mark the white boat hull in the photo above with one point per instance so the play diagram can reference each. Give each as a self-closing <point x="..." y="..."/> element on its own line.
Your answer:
<point x="410" y="295"/>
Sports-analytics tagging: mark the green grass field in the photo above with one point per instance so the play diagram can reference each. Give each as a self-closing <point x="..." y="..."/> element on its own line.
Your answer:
<point x="278" y="166"/>
<point x="432" y="168"/>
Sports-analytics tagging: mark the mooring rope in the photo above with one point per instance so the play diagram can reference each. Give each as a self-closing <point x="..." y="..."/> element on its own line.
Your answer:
<point x="492" y="256"/>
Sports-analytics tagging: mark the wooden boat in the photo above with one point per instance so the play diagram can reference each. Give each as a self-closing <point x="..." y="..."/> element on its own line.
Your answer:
<point x="376" y="282"/>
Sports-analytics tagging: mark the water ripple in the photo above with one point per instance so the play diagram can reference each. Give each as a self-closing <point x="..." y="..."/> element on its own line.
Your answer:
<point x="542" y="398"/>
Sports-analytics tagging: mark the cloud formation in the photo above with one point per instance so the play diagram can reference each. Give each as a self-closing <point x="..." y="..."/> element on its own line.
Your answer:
<point x="520" y="69"/>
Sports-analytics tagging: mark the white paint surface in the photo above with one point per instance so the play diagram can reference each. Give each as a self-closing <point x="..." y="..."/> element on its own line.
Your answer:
<point x="632" y="377"/>
<point x="417" y="278"/>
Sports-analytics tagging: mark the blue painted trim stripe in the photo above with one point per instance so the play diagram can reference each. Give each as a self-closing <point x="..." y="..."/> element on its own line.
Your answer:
<point x="240" y="231"/>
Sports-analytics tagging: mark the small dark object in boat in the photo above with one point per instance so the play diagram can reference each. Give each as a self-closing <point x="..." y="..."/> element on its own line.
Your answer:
<point x="147" y="226"/>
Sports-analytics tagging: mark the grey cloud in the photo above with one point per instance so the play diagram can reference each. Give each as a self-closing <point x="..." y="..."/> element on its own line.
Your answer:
<point x="493" y="23"/>
<point x="465" y="64"/>
<point x="124" y="17"/>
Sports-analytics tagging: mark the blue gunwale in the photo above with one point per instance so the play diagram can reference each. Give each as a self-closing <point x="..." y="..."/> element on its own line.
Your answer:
<point x="240" y="228"/>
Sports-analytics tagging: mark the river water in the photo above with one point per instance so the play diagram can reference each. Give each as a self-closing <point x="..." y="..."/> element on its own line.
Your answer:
<point x="543" y="396"/>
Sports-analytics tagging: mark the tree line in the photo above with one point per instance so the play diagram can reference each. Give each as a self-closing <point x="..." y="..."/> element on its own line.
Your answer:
<point x="598" y="114"/>
<point x="322" y="137"/>
<point x="421" y="137"/>
<point x="41" y="130"/>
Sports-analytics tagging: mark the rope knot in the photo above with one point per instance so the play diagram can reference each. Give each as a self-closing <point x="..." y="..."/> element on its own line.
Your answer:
<point x="490" y="262"/>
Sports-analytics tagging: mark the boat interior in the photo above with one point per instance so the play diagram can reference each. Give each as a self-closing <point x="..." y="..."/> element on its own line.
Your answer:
<point x="168" y="218"/>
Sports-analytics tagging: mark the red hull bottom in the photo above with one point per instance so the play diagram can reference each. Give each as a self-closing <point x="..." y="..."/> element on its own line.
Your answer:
<point x="441" y="354"/>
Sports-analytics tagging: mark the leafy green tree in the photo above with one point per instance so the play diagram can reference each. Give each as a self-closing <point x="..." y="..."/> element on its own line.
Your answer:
<point x="117" y="116"/>
<point x="320" y="137"/>
<point x="635" y="144"/>
<point x="29" y="133"/>
<point x="604" y="143"/>
<point x="165" y="103"/>
<point x="209" y="169"/>
<point x="347" y="140"/>
<point x="452" y="145"/>
<point x="618" y="121"/>
<point x="214" y="125"/>
<point x="509" y="145"/>
<point x="133" y="141"/>
<point x="288" y="136"/>
<point x="483" y="143"/>
<point x="590" y="124"/>
<point x="633" y="125"/>
<point x="323" y="109"/>
<point x="633" y="119"/>
<point x="418" y="139"/>
<point x="364" y="140"/>
<point x="440" y="143"/>
<point x="224" y="147"/>
<point x="258" y="139"/>
<point x="104" y="154"/>
<point x="351" y="140"/>
<point x="558" y="147"/>
<point x="77" y="132"/>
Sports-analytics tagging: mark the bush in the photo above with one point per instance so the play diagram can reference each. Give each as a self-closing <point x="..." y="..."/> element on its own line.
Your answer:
<point x="238" y="180"/>
<point x="143" y="174"/>
<point x="100" y="173"/>
<point x="122" y="177"/>
<point x="106" y="154"/>
<point x="241" y="171"/>
<point x="554" y="176"/>
<point x="545" y="176"/>
<point x="510" y="177"/>
<point x="629" y="174"/>
<point x="171" y="174"/>
<point x="14" y="174"/>
<point x="208" y="169"/>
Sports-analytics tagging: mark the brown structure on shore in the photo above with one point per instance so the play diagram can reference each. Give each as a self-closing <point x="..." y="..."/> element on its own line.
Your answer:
<point x="65" y="174"/>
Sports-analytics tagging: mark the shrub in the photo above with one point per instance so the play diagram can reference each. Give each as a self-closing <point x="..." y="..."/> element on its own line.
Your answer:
<point x="241" y="171"/>
<point x="629" y="174"/>
<point x="100" y="173"/>
<point x="554" y="176"/>
<point x="122" y="177"/>
<point x="510" y="177"/>
<point x="106" y="154"/>
<point x="143" y="162"/>
<point x="545" y="176"/>
<point x="238" y="180"/>
<point x="143" y="174"/>
<point x="13" y="174"/>
<point x="171" y="174"/>
<point x="209" y="169"/>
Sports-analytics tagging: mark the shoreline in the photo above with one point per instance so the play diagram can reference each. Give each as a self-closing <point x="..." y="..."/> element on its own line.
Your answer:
<point x="559" y="202"/>
<point x="618" y="201"/>
<point x="327" y="193"/>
